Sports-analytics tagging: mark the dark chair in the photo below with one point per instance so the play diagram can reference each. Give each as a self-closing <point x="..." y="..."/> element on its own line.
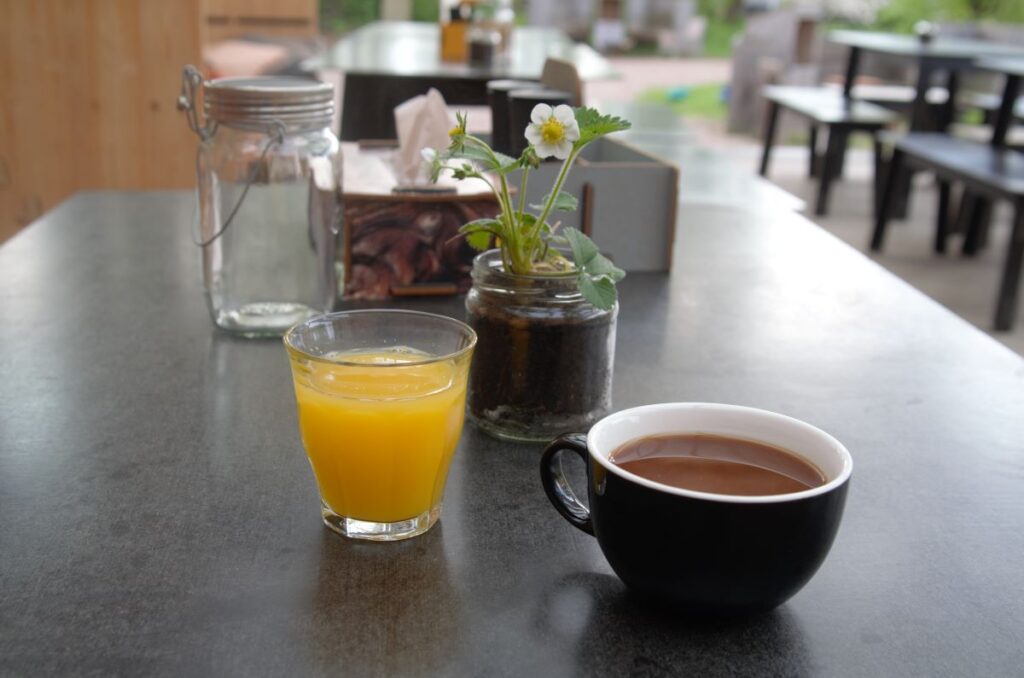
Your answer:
<point x="989" y="170"/>
<point x="824" y="107"/>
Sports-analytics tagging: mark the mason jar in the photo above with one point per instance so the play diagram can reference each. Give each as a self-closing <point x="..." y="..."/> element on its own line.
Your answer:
<point x="544" y="357"/>
<point x="268" y="170"/>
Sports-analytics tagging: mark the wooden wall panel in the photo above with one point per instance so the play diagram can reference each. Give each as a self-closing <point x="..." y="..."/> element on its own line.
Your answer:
<point x="87" y="99"/>
<point x="225" y="19"/>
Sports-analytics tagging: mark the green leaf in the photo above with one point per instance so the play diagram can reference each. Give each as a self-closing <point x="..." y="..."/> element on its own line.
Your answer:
<point x="500" y="162"/>
<point x="602" y="265"/>
<point x="583" y="248"/>
<point x="481" y="225"/>
<point x="564" y="202"/>
<point x="600" y="292"/>
<point x="479" y="232"/>
<point x="479" y="240"/>
<point x="597" y="274"/>
<point x="594" y="125"/>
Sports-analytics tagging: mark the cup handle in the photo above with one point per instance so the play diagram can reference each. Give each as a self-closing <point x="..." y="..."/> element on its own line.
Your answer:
<point x="557" y="487"/>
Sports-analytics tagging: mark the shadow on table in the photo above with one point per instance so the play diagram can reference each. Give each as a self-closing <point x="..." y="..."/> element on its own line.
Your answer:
<point x="386" y="608"/>
<point x="592" y="612"/>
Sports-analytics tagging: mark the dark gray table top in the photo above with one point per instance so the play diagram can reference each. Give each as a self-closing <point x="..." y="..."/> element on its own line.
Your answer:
<point x="407" y="48"/>
<point x="159" y="516"/>
<point x="1007" y="66"/>
<point x="941" y="47"/>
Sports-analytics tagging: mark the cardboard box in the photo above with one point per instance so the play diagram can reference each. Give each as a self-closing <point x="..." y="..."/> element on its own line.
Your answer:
<point x="627" y="202"/>
<point x="400" y="244"/>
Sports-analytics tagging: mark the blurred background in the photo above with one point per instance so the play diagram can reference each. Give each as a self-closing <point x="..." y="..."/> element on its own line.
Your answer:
<point x="89" y="86"/>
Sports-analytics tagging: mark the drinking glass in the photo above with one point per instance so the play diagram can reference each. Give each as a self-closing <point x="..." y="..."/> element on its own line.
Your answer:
<point x="381" y="400"/>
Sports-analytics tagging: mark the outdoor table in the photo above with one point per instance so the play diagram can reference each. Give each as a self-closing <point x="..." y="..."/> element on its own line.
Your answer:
<point x="387" y="62"/>
<point x="159" y="516"/>
<point x="939" y="55"/>
<point x="1013" y="69"/>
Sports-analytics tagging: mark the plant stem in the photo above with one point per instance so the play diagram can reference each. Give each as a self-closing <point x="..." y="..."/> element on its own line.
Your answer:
<point x="522" y="192"/>
<point x="558" y="187"/>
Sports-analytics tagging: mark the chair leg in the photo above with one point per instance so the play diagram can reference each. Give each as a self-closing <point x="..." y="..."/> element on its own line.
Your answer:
<point x="812" y="146"/>
<point x="1006" y="306"/>
<point x="840" y="165"/>
<point x="942" y="219"/>
<point x="978" y="219"/>
<point x="879" y="175"/>
<point x="963" y="215"/>
<point x="833" y="156"/>
<point x="904" y="185"/>
<point x="886" y="203"/>
<point x="769" y="136"/>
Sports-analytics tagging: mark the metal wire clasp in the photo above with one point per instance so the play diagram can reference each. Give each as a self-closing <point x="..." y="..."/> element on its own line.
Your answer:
<point x="275" y="133"/>
<point x="191" y="83"/>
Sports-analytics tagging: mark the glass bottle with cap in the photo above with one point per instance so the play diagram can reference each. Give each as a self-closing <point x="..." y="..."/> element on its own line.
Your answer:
<point x="268" y="170"/>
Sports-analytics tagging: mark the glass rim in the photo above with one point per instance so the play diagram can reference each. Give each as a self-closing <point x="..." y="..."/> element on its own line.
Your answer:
<point x="330" y="317"/>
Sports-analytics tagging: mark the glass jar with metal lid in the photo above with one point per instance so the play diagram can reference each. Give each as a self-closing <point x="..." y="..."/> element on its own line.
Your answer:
<point x="268" y="170"/>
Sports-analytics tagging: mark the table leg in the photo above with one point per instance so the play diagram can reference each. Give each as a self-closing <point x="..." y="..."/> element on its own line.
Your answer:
<point x="1005" y="115"/>
<point x="885" y="203"/>
<point x="812" y="146"/>
<point x="1006" y="306"/>
<point x="771" y="120"/>
<point x="878" y="180"/>
<point x="949" y="108"/>
<point x="852" y="64"/>
<point x="920" y="118"/>
<point x="942" y="220"/>
<point x="979" y="213"/>
<point x="833" y="158"/>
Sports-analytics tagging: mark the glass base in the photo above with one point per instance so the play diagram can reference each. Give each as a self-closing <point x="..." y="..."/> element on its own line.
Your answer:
<point x="365" y="529"/>
<point x="263" y="319"/>
<point x="536" y="432"/>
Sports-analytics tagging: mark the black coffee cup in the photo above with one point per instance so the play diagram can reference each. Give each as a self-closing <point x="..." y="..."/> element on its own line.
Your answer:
<point x="703" y="553"/>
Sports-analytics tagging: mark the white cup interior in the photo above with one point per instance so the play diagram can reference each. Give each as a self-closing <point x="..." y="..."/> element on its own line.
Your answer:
<point x="807" y="441"/>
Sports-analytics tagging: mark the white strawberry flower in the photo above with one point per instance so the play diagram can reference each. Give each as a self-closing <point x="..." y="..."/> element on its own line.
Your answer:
<point x="552" y="132"/>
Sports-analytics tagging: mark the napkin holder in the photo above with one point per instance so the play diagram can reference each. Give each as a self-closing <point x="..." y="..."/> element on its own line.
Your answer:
<point x="402" y="240"/>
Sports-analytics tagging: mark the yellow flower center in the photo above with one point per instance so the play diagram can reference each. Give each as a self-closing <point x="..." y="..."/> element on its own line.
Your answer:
<point x="552" y="131"/>
<point x="455" y="131"/>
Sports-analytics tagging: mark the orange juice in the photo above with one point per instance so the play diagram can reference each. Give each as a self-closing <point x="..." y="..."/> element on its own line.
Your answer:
<point x="380" y="430"/>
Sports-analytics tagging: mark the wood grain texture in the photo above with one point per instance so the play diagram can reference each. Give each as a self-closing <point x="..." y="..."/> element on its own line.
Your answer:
<point x="223" y="19"/>
<point x="87" y="99"/>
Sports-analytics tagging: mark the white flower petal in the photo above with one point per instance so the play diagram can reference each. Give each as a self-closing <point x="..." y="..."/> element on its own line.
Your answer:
<point x="562" y="149"/>
<point x="428" y="154"/>
<point x="572" y="133"/>
<point x="540" y="113"/>
<point x="533" y="134"/>
<point x="544" y="150"/>
<point x="564" y="115"/>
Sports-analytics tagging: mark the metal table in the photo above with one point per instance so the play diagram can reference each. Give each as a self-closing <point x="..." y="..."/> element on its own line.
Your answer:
<point x="159" y="516"/>
<point x="1013" y="69"/>
<point x="387" y="62"/>
<point x="940" y="55"/>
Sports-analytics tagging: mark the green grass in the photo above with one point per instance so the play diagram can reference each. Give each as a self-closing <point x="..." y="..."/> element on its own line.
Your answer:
<point x="701" y="101"/>
<point x="719" y="35"/>
<point x="717" y="40"/>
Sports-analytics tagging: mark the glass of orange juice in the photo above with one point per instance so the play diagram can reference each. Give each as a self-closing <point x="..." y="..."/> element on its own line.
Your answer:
<point x="381" y="399"/>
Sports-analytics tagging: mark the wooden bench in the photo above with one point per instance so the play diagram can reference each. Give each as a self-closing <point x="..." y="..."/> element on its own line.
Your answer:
<point x="824" y="107"/>
<point x="993" y="171"/>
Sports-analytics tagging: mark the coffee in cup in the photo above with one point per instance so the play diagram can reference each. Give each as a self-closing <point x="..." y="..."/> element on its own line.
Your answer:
<point x="716" y="508"/>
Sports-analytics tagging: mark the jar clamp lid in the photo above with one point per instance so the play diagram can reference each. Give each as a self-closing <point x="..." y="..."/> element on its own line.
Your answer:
<point x="256" y="103"/>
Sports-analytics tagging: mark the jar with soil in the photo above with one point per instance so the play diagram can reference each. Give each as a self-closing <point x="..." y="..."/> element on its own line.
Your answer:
<point x="544" y="355"/>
